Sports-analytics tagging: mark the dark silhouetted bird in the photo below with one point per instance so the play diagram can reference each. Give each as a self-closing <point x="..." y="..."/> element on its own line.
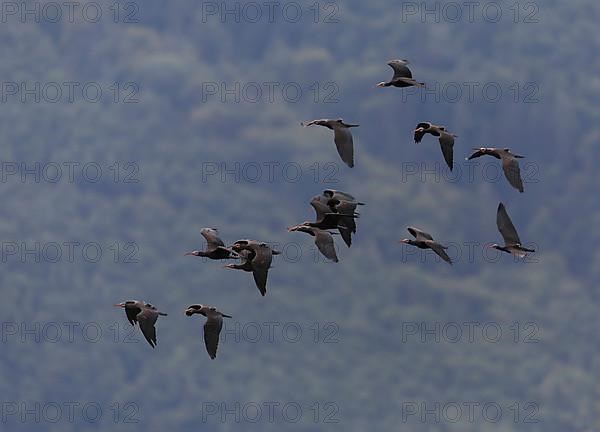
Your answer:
<point x="212" y="326"/>
<point x="143" y="314"/>
<point x="510" y="164"/>
<point x="341" y="136"/>
<point x="215" y="248"/>
<point x="256" y="257"/>
<point x="402" y="75"/>
<point x="323" y="239"/>
<point x="446" y="139"/>
<point x="331" y="215"/>
<point x="512" y="242"/>
<point x="424" y="240"/>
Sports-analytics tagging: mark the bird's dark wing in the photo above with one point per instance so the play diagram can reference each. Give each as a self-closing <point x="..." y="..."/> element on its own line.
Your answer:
<point x="260" y="266"/>
<point x="447" y="145"/>
<point x="345" y="146"/>
<point x="212" y="238"/>
<point x="400" y="70"/>
<point x="147" y="318"/>
<point x="510" y="165"/>
<point x="324" y="242"/>
<point x="439" y="249"/>
<point x="212" y="330"/>
<point x="346" y="233"/>
<point x="132" y="313"/>
<point x="482" y="152"/>
<point x="420" y="131"/>
<point x="506" y="227"/>
<point x="347" y="208"/>
<point x="418" y="234"/>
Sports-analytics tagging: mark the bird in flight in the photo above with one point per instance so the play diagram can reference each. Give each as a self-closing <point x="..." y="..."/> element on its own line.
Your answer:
<point x="424" y="240"/>
<point x="215" y="248"/>
<point x="323" y="239"/>
<point x="212" y="326"/>
<point x="510" y="164"/>
<point x="255" y="257"/>
<point x="512" y="242"/>
<point x="446" y="139"/>
<point x="145" y="315"/>
<point x="402" y="75"/>
<point x="341" y="136"/>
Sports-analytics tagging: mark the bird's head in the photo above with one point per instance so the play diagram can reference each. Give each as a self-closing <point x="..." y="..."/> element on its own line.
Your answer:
<point x="406" y="241"/>
<point x="193" y="253"/>
<point x="493" y="246"/>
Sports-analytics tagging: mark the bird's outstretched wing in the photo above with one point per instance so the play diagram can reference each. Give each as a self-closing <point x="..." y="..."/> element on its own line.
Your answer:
<point x="483" y="152"/>
<point x="147" y="318"/>
<point x="345" y="145"/>
<point x="421" y="130"/>
<point x="212" y="330"/>
<point x="419" y="234"/>
<point x="212" y="238"/>
<point x="321" y="209"/>
<point x="400" y="69"/>
<point x="447" y="146"/>
<point x="260" y="265"/>
<point x="132" y="313"/>
<point x="325" y="244"/>
<point x="439" y="249"/>
<point x="510" y="165"/>
<point x="506" y="227"/>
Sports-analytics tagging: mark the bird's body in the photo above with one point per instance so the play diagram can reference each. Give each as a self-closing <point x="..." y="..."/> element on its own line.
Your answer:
<point x="402" y="76"/>
<point x="323" y="239"/>
<point x="512" y="242"/>
<point x="145" y="315"/>
<point x="256" y="257"/>
<point x="446" y="139"/>
<point x="341" y="136"/>
<point x="510" y="164"/>
<point x="215" y="248"/>
<point x="424" y="240"/>
<point x="212" y="326"/>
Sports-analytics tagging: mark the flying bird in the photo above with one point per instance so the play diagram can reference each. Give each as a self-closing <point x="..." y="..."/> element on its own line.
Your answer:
<point x="215" y="248"/>
<point x="341" y="136"/>
<point x="424" y="240"/>
<point x="256" y="257"/>
<point x="212" y="326"/>
<point x="145" y="315"/>
<point x="512" y="242"/>
<point x="344" y="204"/>
<point x="334" y="216"/>
<point x="510" y="164"/>
<point x="323" y="239"/>
<point x="402" y="75"/>
<point x="446" y="139"/>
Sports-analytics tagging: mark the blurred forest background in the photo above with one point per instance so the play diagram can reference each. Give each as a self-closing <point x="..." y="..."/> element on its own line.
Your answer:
<point x="165" y="59"/>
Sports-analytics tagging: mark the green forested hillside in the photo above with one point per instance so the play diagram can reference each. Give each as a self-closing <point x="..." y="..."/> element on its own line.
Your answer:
<point x="178" y="152"/>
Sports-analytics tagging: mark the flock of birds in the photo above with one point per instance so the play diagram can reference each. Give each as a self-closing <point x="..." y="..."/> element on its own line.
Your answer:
<point x="335" y="214"/>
